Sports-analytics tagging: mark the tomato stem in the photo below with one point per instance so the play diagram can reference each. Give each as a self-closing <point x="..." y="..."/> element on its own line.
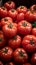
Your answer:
<point x="21" y="7"/>
<point x="10" y="25"/>
<point x="14" y="38"/>
<point x="21" y="53"/>
<point x="32" y="42"/>
<point x="5" y="50"/>
<point x="5" y="19"/>
<point x="24" y="24"/>
<point x="12" y="10"/>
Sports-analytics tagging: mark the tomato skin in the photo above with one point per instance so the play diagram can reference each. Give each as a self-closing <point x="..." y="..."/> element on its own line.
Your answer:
<point x="9" y="29"/>
<point x="22" y="9"/>
<point x="2" y="40"/>
<point x="20" y="17"/>
<point x="30" y="16"/>
<point x="15" y="42"/>
<point x="10" y="63"/>
<point x="3" y="12"/>
<point x="20" y="55"/>
<point x="29" y="43"/>
<point x="24" y="27"/>
<point x="13" y="13"/>
<point x="34" y="31"/>
<point x="33" y="59"/>
<point x="1" y="63"/>
<point x="6" y="53"/>
<point x="27" y="64"/>
<point x="6" y="20"/>
<point x="33" y="8"/>
<point x="9" y="5"/>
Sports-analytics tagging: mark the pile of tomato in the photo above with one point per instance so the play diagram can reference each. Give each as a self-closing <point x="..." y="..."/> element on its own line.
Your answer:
<point x="17" y="34"/>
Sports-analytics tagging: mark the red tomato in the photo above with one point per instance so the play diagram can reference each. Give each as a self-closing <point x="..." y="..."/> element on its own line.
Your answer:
<point x="2" y="39"/>
<point x="34" y="31"/>
<point x="6" y="20"/>
<point x="33" y="8"/>
<point x="27" y="64"/>
<point x="15" y="42"/>
<point x="1" y="63"/>
<point x="9" y="5"/>
<point x="20" y="17"/>
<point x="33" y="59"/>
<point x="3" y="12"/>
<point x="12" y="13"/>
<point x="6" y="53"/>
<point x="24" y="27"/>
<point x="22" y="9"/>
<point x="29" y="43"/>
<point x="30" y="16"/>
<point x="9" y="29"/>
<point x="10" y="63"/>
<point x="20" y="55"/>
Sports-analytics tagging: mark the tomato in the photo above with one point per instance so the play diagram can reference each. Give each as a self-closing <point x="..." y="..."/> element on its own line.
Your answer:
<point x="1" y="63"/>
<point x="3" y="12"/>
<point x="10" y="63"/>
<point x="27" y="64"/>
<point x="6" y="20"/>
<point x="29" y="43"/>
<point x="6" y="53"/>
<point x="30" y="16"/>
<point x="2" y="39"/>
<point x="20" y="55"/>
<point x="24" y="27"/>
<point x="22" y="9"/>
<point x="15" y="42"/>
<point x="34" y="31"/>
<point x="9" y="29"/>
<point x="33" y="59"/>
<point x="9" y="5"/>
<point x="12" y="13"/>
<point x="20" y="17"/>
<point x="33" y="8"/>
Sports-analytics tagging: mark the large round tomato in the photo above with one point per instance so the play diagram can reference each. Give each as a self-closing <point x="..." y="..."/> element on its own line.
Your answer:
<point x="33" y="59"/>
<point x="29" y="43"/>
<point x="9" y="5"/>
<point x="3" y="12"/>
<point x="20" y="55"/>
<point x="24" y="27"/>
<point x="15" y="42"/>
<point x="2" y="39"/>
<point x="9" y="30"/>
<point x="6" y="53"/>
<point x="10" y="63"/>
<point x="22" y="9"/>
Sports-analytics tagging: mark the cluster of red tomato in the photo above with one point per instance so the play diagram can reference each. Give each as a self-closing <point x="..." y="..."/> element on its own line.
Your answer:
<point x="17" y="35"/>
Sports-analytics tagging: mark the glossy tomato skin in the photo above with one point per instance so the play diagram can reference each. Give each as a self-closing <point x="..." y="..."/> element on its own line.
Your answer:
<point x="13" y="13"/>
<point x="30" y="16"/>
<point x="10" y="63"/>
<point x="29" y="43"/>
<point x="9" y="29"/>
<point x="33" y="8"/>
<point x="2" y="40"/>
<point x="20" y="17"/>
<point x="15" y="42"/>
<point x="22" y="9"/>
<point x="27" y="64"/>
<point x="3" y="12"/>
<point x="9" y="5"/>
<point x="1" y="63"/>
<point x="24" y="27"/>
<point x="33" y="59"/>
<point x="6" y="20"/>
<point x="6" y="53"/>
<point x="20" y="55"/>
<point x="34" y="31"/>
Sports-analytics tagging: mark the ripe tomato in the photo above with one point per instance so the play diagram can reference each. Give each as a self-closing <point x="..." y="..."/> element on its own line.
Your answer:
<point x="2" y="39"/>
<point x="33" y="8"/>
<point x="22" y="9"/>
<point x="10" y="63"/>
<point x="30" y="16"/>
<point x="15" y="42"/>
<point x="9" y="29"/>
<point x="20" y="17"/>
<point x="20" y="55"/>
<point x="12" y="13"/>
<point x="6" y="53"/>
<point x="29" y="43"/>
<point x="6" y="20"/>
<point x="9" y="5"/>
<point x="34" y="31"/>
<point x="24" y="27"/>
<point x="3" y="12"/>
<point x="33" y="59"/>
<point x="27" y="64"/>
<point x="1" y="63"/>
